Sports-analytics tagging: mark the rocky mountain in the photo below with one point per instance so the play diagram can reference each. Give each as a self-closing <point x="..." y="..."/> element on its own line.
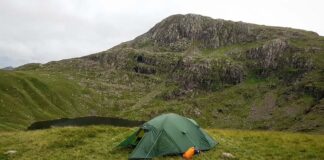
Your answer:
<point x="222" y="73"/>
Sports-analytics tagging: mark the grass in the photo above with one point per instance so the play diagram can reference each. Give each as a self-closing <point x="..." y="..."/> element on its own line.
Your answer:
<point x="222" y="51"/>
<point x="98" y="142"/>
<point x="29" y="96"/>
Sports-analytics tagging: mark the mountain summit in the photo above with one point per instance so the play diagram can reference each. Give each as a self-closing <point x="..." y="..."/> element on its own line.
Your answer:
<point x="178" y="32"/>
<point x="222" y="73"/>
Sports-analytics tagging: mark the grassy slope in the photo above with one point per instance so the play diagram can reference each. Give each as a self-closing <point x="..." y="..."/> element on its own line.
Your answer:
<point x="98" y="143"/>
<point x="71" y="88"/>
<point x="32" y="96"/>
<point x="27" y="96"/>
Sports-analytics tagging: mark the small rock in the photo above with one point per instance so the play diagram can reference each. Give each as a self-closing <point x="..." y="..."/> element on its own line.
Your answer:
<point x="11" y="152"/>
<point x="197" y="112"/>
<point x="228" y="155"/>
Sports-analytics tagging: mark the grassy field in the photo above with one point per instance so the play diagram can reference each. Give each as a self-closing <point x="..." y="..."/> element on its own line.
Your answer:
<point x="98" y="142"/>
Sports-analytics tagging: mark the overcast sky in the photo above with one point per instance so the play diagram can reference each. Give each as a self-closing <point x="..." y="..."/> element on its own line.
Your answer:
<point x="46" y="30"/>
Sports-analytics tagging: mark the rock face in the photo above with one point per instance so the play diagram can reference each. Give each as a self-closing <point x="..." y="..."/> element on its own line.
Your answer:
<point x="167" y="49"/>
<point x="277" y="54"/>
<point x="178" y="32"/>
<point x="267" y="56"/>
<point x="208" y="74"/>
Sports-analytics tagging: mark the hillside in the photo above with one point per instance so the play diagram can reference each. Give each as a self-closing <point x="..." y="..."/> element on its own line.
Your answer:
<point x="224" y="74"/>
<point x="99" y="142"/>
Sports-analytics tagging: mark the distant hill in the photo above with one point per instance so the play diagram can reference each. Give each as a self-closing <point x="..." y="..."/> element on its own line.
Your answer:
<point x="29" y="66"/>
<point x="9" y="68"/>
<point x="222" y="73"/>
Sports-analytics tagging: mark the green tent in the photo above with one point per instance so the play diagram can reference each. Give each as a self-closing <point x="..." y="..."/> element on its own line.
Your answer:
<point x="167" y="134"/>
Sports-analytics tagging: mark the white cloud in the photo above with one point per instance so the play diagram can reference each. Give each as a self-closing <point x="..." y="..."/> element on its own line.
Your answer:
<point x="42" y="31"/>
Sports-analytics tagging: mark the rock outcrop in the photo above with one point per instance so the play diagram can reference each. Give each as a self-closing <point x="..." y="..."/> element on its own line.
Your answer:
<point x="277" y="54"/>
<point x="209" y="74"/>
<point x="179" y="32"/>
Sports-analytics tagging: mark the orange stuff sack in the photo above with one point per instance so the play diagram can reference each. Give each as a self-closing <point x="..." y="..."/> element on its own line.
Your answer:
<point x="189" y="153"/>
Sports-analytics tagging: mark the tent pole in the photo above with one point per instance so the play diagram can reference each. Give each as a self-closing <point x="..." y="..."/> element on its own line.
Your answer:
<point x="154" y="144"/>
